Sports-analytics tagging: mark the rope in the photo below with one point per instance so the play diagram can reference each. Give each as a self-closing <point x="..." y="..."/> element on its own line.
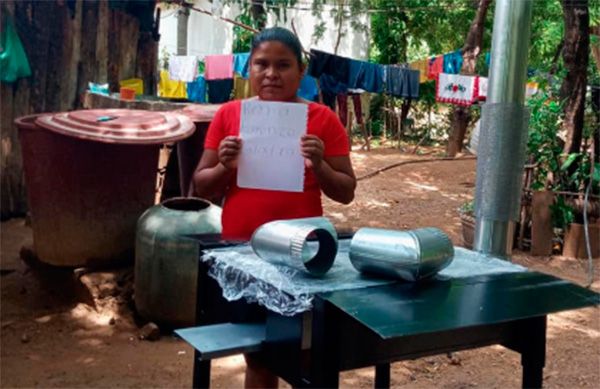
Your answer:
<point x="412" y="161"/>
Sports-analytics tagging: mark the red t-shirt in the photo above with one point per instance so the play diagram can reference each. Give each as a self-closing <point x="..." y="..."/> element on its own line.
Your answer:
<point x="246" y="209"/>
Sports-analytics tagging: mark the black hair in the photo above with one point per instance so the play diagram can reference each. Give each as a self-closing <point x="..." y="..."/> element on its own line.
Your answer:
<point x="282" y="35"/>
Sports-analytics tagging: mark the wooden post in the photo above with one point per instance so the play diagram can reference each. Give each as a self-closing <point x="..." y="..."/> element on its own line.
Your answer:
<point x="541" y="223"/>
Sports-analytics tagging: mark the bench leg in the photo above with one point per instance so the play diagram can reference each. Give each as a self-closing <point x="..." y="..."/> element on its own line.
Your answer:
<point x="382" y="376"/>
<point x="201" y="372"/>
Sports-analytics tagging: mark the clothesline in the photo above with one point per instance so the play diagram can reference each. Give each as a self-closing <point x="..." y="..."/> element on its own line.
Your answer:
<point x="335" y="74"/>
<point x="225" y="76"/>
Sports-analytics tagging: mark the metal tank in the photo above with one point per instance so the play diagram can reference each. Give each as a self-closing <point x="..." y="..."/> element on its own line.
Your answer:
<point x="166" y="261"/>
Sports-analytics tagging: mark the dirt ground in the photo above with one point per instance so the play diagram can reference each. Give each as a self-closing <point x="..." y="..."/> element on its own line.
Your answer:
<point x="60" y="329"/>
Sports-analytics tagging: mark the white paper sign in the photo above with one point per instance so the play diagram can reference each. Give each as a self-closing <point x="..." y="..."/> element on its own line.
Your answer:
<point x="270" y="156"/>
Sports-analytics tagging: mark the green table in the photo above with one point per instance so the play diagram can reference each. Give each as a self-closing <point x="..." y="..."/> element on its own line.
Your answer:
<point x="377" y="325"/>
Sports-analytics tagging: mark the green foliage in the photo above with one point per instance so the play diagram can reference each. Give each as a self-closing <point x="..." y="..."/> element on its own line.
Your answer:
<point x="543" y="145"/>
<point x="414" y="29"/>
<point x="242" y="38"/>
<point x="554" y="167"/>
<point x="389" y="34"/>
<point x="547" y="29"/>
<point x="467" y="208"/>
<point x="596" y="174"/>
<point x="562" y="214"/>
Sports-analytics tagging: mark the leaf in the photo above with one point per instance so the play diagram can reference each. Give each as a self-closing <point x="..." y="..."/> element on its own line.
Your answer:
<point x="596" y="174"/>
<point x="569" y="161"/>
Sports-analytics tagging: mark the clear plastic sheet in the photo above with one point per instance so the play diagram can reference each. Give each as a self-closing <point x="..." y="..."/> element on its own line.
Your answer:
<point x="289" y="291"/>
<point x="283" y="289"/>
<point x="467" y="263"/>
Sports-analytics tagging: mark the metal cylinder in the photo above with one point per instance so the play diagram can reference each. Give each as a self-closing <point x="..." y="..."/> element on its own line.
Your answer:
<point x="508" y="75"/>
<point x="166" y="262"/>
<point x="408" y="255"/>
<point x="308" y="244"/>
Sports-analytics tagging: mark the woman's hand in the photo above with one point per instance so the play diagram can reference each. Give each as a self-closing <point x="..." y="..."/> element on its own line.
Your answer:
<point x="312" y="150"/>
<point x="229" y="151"/>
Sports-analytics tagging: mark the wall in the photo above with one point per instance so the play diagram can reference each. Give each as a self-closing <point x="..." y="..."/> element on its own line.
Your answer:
<point x="68" y="44"/>
<point x="208" y="35"/>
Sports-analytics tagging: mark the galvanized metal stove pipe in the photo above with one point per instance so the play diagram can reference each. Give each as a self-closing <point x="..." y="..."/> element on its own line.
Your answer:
<point x="309" y="243"/>
<point x="408" y="255"/>
<point x="501" y="154"/>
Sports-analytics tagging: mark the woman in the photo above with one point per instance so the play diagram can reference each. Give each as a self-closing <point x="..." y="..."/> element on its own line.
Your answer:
<point x="275" y="71"/>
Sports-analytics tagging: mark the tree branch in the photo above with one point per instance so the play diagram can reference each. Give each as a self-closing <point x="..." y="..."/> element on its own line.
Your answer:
<point x="182" y="3"/>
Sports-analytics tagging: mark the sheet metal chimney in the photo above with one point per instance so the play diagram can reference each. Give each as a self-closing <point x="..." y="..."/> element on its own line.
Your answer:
<point x="504" y="118"/>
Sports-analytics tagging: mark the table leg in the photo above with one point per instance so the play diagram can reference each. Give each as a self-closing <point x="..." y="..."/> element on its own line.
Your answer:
<point x="382" y="376"/>
<point x="533" y="353"/>
<point x="325" y="349"/>
<point x="201" y="372"/>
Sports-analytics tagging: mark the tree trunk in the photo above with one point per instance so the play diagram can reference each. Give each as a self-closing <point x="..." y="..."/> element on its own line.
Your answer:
<point x="182" y="30"/>
<point x="576" y="53"/>
<point x="403" y="115"/>
<point x="595" y="30"/>
<point x="471" y="50"/>
<point x="67" y="44"/>
<point x="340" y="23"/>
<point x="259" y="14"/>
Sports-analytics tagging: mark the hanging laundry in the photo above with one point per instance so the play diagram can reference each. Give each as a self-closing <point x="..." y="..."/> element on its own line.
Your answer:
<point x="308" y="88"/>
<point x="423" y="67"/>
<point x="197" y="90"/>
<point x="241" y="88"/>
<point x="453" y="62"/>
<point x="330" y="64"/>
<point x="436" y="66"/>
<point x="219" y="91"/>
<point x="365" y="104"/>
<point x="183" y="68"/>
<point x="330" y="88"/>
<point x="366" y="76"/>
<point x="456" y="89"/>
<point x="169" y="88"/>
<point x="482" y="89"/>
<point x="357" y="104"/>
<point x="342" y="107"/>
<point x="219" y="67"/>
<point x="241" y="63"/>
<point x="13" y="59"/>
<point x="329" y="99"/>
<point x="402" y="82"/>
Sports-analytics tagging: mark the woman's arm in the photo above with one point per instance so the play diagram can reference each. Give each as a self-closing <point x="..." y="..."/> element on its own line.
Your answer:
<point x="334" y="174"/>
<point x="336" y="178"/>
<point x="214" y="171"/>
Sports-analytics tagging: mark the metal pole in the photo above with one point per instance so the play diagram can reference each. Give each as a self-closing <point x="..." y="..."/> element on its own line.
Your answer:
<point x="508" y="75"/>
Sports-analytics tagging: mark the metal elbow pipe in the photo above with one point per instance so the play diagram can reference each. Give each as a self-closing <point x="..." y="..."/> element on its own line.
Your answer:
<point x="408" y="255"/>
<point x="308" y="244"/>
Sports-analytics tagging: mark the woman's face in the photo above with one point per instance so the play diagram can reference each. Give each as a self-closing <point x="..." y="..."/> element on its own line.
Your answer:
<point x="275" y="73"/>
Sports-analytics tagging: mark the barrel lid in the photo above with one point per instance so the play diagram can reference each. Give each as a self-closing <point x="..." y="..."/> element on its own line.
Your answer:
<point x="201" y="113"/>
<point x="122" y="126"/>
